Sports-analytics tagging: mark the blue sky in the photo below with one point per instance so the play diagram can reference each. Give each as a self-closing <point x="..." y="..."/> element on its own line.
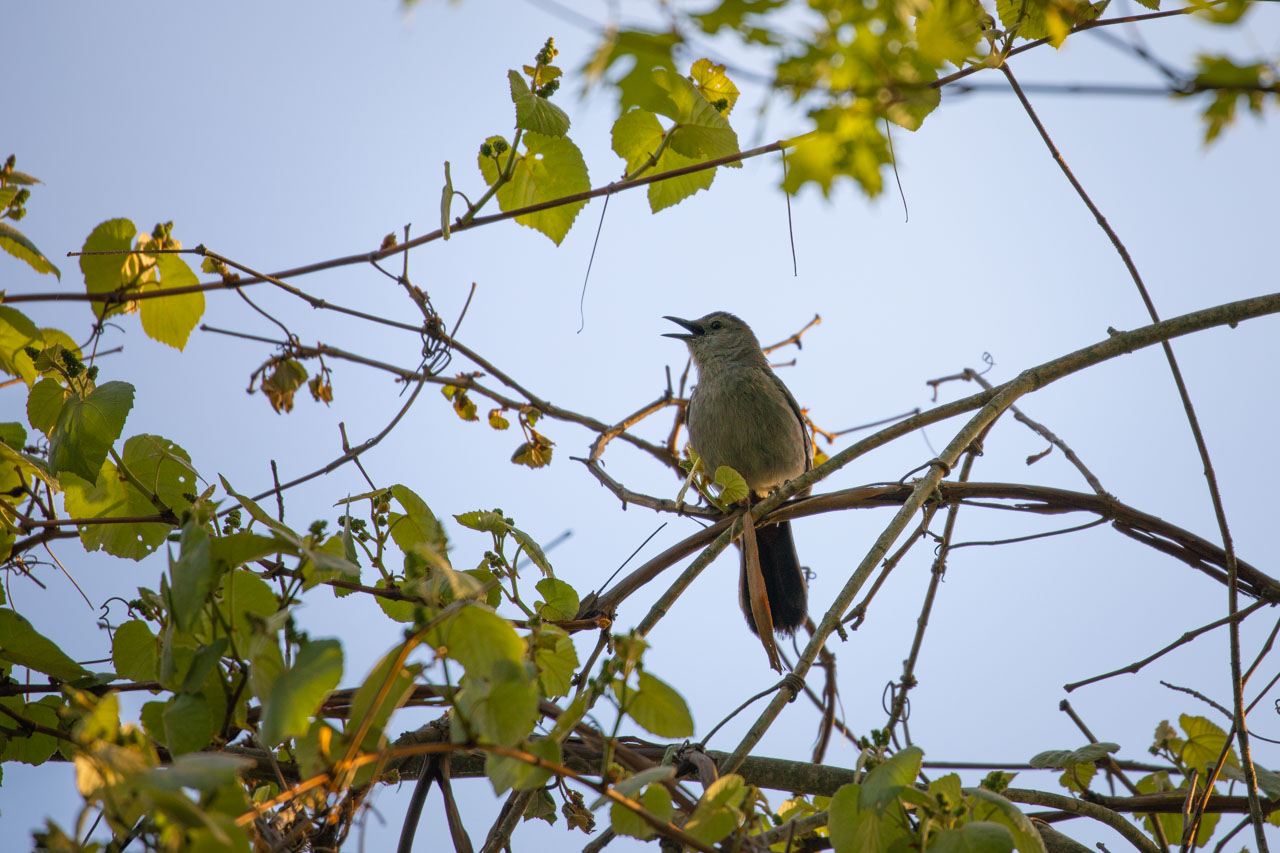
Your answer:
<point x="280" y="134"/>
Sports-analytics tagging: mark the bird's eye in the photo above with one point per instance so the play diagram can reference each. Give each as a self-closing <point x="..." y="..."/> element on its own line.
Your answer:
<point x="716" y="324"/>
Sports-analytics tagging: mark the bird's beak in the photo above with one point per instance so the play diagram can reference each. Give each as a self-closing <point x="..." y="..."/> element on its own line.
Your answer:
<point x="694" y="329"/>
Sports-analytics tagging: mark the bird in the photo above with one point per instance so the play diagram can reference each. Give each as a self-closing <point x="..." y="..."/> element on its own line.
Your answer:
<point x="741" y="415"/>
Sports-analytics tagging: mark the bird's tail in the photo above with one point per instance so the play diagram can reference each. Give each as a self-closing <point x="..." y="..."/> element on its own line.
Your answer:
<point x="784" y="582"/>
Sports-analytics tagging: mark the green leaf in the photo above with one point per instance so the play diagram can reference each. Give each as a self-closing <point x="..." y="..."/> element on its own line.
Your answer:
<point x="638" y="50"/>
<point x="205" y="771"/>
<point x="134" y="651"/>
<point x="1077" y="777"/>
<point x="629" y="786"/>
<point x="1229" y="84"/>
<point x="44" y="403"/>
<point x="486" y="521"/>
<point x="506" y="773"/>
<point x="846" y="142"/>
<point x="326" y="562"/>
<point x="947" y="789"/>
<point x="87" y="427"/>
<point x="163" y="468"/>
<point x="477" y="638"/>
<point x="279" y="528"/>
<point x="23" y="645"/>
<point x="16" y="243"/>
<point x="192" y="577"/>
<point x="883" y="784"/>
<point x="950" y="31"/>
<point x="733" y="487"/>
<point x="502" y="706"/>
<point x="717" y="813"/>
<point x="16" y="334"/>
<point x="551" y="167"/>
<point x="976" y="837"/>
<point x="365" y="704"/>
<point x="1051" y="19"/>
<point x="110" y="496"/>
<point x="994" y="808"/>
<point x="202" y="665"/>
<point x="188" y="724"/>
<point x="636" y="136"/>
<point x="418" y="530"/>
<point x="1060" y="759"/>
<point x="533" y="551"/>
<point x="170" y="319"/>
<point x="700" y="131"/>
<point x="298" y="693"/>
<point x="36" y="748"/>
<point x="396" y="610"/>
<point x="559" y="600"/>
<point x="236" y="549"/>
<point x="656" y="799"/>
<point x="16" y="468"/>
<point x="847" y="823"/>
<point x="13" y="434"/>
<point x="1171" y="824"/>
<point x="1205" y="742"/>
<point x="105" y="273"/>
<point x="557" y="660"/>
<point x="534" y="113"/>
<point x="714" y="85"/>
<point x="655" y="705"/>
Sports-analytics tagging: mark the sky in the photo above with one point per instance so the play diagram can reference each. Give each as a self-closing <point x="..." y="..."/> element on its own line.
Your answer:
<point x="282" y="134"/>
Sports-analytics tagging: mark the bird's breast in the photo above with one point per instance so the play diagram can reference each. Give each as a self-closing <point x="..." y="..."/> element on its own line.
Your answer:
<point x="744" y="419"/>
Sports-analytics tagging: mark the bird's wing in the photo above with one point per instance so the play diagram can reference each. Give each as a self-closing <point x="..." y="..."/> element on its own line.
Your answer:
<point x="804" y="428"/>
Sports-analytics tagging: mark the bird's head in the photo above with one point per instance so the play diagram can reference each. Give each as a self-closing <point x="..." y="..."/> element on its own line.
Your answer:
<point x="718" y="335"/>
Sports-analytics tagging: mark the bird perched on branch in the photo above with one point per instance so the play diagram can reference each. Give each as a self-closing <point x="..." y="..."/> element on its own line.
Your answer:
<point x="741" y="415"/>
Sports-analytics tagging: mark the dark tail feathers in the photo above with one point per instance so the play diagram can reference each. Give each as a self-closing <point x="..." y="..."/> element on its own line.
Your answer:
<point x="783" y="579"/>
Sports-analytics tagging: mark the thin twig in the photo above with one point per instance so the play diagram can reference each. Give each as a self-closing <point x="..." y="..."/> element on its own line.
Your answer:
<point x="1202" y="447"/>
<point x="1181" y="641"/>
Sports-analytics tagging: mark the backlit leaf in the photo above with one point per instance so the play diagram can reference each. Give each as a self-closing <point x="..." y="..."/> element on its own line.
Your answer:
<point x="550" y="167"/>
<point x="170" y="319"/>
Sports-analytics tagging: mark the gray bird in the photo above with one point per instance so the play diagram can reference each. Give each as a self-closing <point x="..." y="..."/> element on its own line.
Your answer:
<point x="741" y="415"/>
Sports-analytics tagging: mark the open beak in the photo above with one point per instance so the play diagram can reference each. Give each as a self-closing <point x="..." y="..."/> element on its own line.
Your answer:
<point x="693" y="328"/>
